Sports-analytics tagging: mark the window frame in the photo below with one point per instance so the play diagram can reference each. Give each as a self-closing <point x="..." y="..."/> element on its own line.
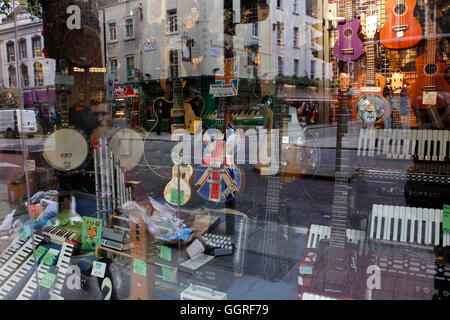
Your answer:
<point x="23" y="42"/>
<point x="127" y="67"/>
<point x="170" y="15"/>
<point x="38" y="74"/>
<point x="33" y="47"/>
<point x="126" y="24"/>
<point x="109" y="23"/>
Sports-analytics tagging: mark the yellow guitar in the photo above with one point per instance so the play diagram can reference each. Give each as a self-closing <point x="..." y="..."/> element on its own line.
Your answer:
<point x="171" y="192"/>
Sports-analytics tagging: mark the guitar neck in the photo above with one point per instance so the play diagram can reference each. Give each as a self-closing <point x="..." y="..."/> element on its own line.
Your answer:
<point x="220" y="117"/>
<point x="339" y="216"/>
<point x="348" y="10"/>
<point x="370" y="63"/>
<point x="431" y="42"/>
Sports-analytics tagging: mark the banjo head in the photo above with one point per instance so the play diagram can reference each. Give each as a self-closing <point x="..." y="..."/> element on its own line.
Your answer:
<point x="128" y="146"/>
<point x="66" y="149"/>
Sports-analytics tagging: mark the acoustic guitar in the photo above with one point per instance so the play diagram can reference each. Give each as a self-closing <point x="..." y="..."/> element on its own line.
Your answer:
<point x="371" y="106"/>
<point x="401" y="30"/>
<point x="348" y="46"/>
<point x="430" y="89"/>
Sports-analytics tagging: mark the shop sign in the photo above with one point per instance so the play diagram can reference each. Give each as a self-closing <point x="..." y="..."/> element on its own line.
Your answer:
<point x="150" y="46"/>
<point x="124" y="92"/>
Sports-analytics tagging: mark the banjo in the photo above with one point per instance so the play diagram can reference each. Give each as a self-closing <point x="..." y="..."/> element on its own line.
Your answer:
<point x="67" y="148"/>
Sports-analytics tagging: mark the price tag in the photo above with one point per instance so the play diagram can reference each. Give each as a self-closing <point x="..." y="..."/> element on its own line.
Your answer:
<point x="429" y="97"/>
<point x="49" y="257"/>
<point x="98" y="269"/>
<point x="40" y="251"/>
<point x="25" y="233"/>
<point x="399" y="34"/>
<point x="446" y="218"/>
<point x="47" y="280"/>
<point x="174" y="196"/>
<point x="165" y="253"/>
<point x="140" y="267"/>
<point x="167" y="273"/>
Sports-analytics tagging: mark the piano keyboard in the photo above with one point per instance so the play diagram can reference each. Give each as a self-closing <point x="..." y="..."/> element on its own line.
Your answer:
<point x="59" y="235"/>
<point x="16" y="278"/>
<point x="31" y="286"/>
<point x="18" y="257"/>
<point x="11" y="249"/>
<point x="407" y="224"/>
<point x="318" y="232"/>
<point x="404" y="143"/>
<point x="62" y="265"/>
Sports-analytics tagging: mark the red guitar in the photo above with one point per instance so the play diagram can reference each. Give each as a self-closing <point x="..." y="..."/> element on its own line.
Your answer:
<point x="402" y="30"/>
<point x="430" y="88"/>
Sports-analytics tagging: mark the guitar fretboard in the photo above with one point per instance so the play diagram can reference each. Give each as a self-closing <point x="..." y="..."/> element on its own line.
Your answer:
<point x="370" y="63"/>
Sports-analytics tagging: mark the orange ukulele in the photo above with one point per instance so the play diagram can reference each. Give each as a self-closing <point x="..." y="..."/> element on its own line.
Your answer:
<point x="431" y="89"/>
<point x="371" y="106"/>
<point x="401" y="30"/>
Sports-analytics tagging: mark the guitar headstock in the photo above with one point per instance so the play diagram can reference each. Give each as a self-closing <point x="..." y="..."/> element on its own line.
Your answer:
<point x="397" y="82"/>
<point x="371" y="25"/>
<point x="344" y="81"/>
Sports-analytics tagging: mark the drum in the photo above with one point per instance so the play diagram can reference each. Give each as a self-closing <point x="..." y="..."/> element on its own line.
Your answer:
<point x="128" y="146"/>
<point x="66" y="149"/>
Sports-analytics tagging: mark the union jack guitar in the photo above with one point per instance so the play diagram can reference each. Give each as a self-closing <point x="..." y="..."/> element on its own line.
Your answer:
<point x="218" y="179"/>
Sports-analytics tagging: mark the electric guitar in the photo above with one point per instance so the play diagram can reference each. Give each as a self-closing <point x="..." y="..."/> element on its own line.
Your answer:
<point x="218" y="179"/>
<point x="371" y="106"/>
<point x="430" y="89"/>
<point x="337" y="269"/>
<point x="348" y="46"/>
<point x="401" y="30"/>
<point x="277" y="240"/>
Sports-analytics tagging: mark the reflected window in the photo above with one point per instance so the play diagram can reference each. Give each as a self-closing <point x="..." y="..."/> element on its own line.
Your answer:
<point x="295" y="40"/>
<point x="313" y="69"/>
<point x="255" y="30"/>
<point x="295" y="7"/>
<point x="130" y="68"/>
<point x="114" y="69"/>
<point x="279" y="4"/>
<point x="280" y="65"/>
<point x="22" y="49"/>
<point x="296" y="65"/>
<point x="24" y="76"/>
<point x="129" y="28"/>
<point x="12" y="76"/>
<point x="38" y="74"/>
<point x="112" y="31"/>
<point x="172" y="23"/>
<point x="280" y="28"/>
<point x="10" y="54"/>
<point x="173" y="68"/>
<point x="36" y="44"/>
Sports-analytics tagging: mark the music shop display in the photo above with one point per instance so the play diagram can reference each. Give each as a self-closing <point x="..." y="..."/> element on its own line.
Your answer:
<point x="226" y="150"/>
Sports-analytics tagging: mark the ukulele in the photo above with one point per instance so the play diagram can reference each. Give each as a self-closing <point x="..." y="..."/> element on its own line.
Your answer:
<point x="348" y="46"/>
<point x="430" y="89"/>
<point x="218" y="179"/>
<point x="371" y="106"/>
<point x="401" y="30"/>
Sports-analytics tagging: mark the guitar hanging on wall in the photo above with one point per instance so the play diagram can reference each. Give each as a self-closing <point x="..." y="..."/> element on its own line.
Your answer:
<point x="371" y="106"/>
<point x="218" y="179"/>
<point x="401" y="30"/>
<point x="430" y="89"/>
<point x="348" y="46"/>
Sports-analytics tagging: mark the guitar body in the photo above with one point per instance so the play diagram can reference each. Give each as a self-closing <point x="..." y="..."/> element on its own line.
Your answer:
<point x="171" y="190"/>
<point x="430" y="75"/>
<point x="190" y="118"/>
<point x="401" y="30"/>
<point x="371" y="105"/>
<point x="300" y="154"/>
<point x="348" y="46"/>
